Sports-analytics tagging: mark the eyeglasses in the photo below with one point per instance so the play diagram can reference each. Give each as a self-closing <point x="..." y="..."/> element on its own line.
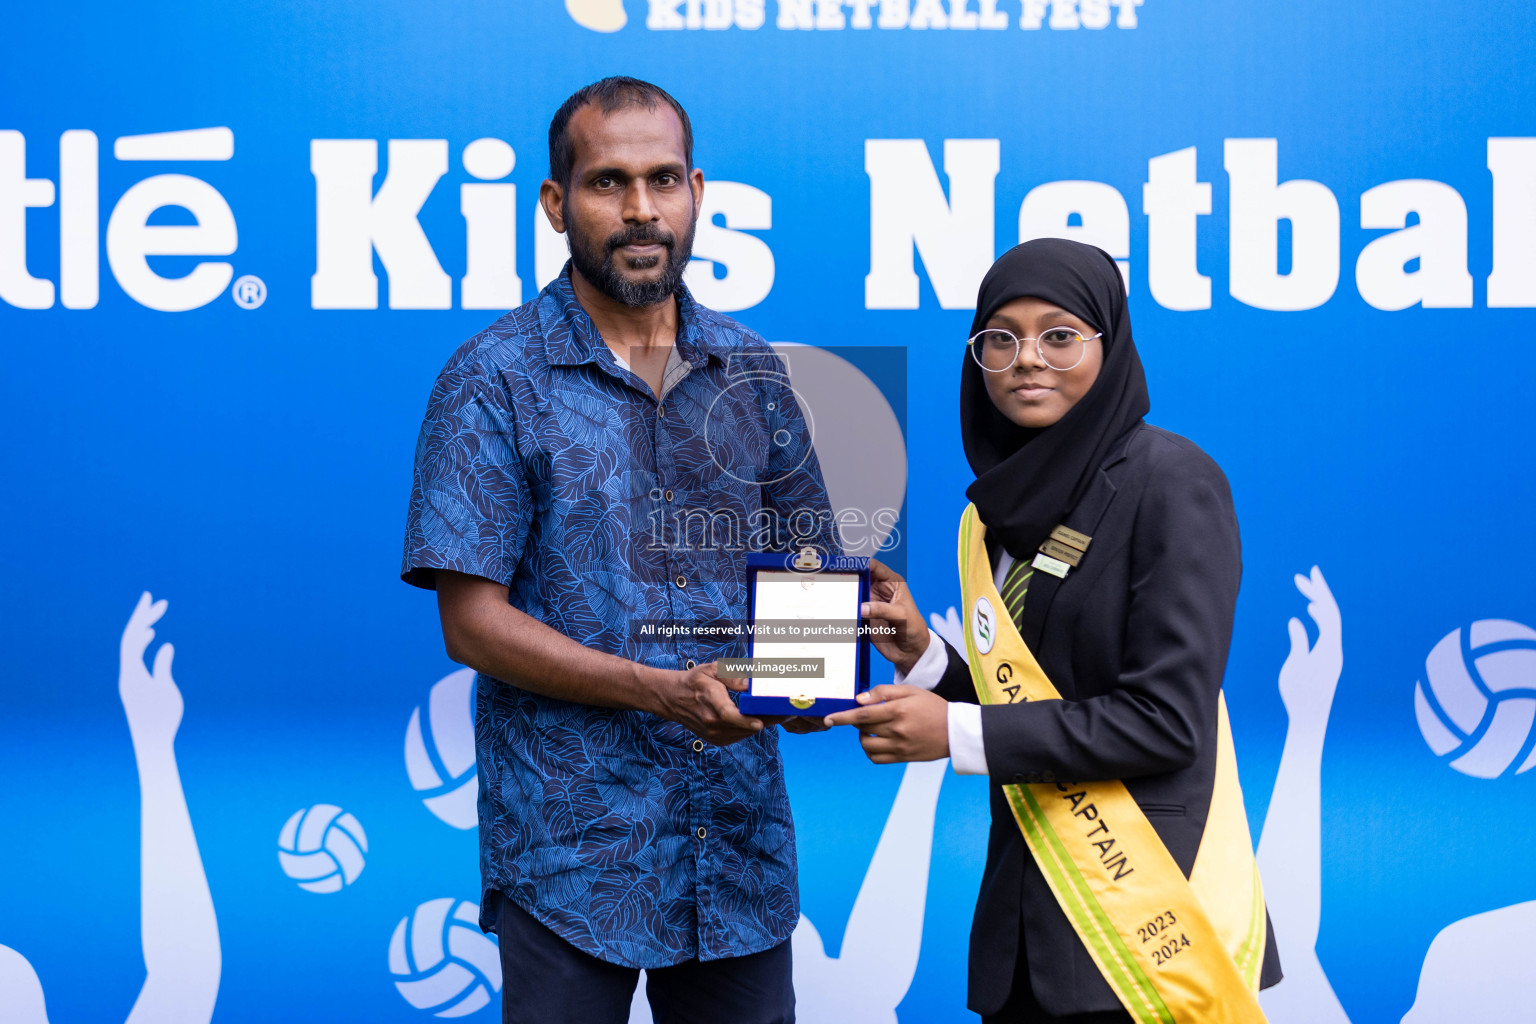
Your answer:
<point x="1060" y="348"/>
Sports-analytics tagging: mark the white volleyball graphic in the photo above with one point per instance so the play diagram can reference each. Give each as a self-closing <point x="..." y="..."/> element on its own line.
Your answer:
<point x="440" y="750"/>
<point x="1477" y="703"/>
<point x="322" y="848"/>
<point x="442" y="961"/>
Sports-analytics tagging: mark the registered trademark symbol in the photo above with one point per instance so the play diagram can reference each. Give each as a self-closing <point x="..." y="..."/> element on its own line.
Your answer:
<point x="249" y="291"/>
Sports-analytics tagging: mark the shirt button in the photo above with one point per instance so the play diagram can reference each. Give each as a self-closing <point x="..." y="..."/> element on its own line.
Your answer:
<point x="661" y="410"/>
<point x="702" y="833"/>
<point x="681" y="581"/>
<point x="668" y="495"/>
<point x="698" y="748"/>
<point x="690" y="663"/>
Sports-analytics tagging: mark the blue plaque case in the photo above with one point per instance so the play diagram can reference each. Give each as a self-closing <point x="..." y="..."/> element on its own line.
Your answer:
<point x="843" y="565"/>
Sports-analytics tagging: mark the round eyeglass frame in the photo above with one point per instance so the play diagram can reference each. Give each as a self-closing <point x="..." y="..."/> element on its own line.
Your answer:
<point x="1018" y="343"/>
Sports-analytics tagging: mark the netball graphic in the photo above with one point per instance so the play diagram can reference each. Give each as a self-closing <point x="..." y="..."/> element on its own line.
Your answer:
<point x="440" y="750"/>
<point x="441" y="960"/>
<point x="1477" y="701"/>
<point x="322" y="848"/>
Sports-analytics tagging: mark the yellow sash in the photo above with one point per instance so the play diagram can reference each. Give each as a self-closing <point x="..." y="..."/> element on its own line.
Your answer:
<point x="1173" y="950"/>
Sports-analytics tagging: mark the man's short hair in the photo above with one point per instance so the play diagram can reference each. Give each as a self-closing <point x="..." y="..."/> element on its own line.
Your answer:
<point x="610" y="94"/>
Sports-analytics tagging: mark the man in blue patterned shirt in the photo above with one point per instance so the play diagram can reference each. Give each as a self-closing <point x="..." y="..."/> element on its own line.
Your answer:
<point x="602" y="455"/>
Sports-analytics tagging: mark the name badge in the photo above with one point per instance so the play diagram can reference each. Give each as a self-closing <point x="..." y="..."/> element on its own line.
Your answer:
<point x="1062" y="551"/>
<point x="1054" y="566"/>
<point x="1071" y="538"/>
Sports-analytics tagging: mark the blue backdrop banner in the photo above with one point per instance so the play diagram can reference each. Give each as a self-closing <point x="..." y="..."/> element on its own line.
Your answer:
<point x="238" y="241"/>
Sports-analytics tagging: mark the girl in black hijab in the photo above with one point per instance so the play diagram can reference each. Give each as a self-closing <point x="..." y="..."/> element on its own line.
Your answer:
<point x="1029" y="476"/>
<point x="1113" y="547"/>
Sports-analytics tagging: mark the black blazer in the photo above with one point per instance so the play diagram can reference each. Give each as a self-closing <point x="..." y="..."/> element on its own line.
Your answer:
<point x="1135" y="639"/>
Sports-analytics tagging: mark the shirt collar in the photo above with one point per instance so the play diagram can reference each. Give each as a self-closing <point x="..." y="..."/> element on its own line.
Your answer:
<point x="572" y="339"/>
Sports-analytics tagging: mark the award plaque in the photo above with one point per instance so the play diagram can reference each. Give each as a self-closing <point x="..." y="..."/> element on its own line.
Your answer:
<point x="810" y="655"/>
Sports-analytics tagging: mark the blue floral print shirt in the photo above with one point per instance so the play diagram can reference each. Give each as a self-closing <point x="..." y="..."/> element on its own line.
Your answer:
<point x="547" y="465"/>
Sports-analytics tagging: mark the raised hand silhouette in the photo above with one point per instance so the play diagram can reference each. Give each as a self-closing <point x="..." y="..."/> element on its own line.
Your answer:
<point x="1311" y="671"/>
<point x="873" y="970"/>
<point x="1290" y="847"/>
<point x="180" y="934"/>
<point x="151" y="699"/>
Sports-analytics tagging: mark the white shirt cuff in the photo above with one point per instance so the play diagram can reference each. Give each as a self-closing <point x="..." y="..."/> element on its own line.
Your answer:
<point x="966" y="752"/>
<point x="929" y="670"/>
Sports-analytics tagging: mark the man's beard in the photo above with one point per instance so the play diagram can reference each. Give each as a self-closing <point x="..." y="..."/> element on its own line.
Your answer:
<point x="598" y="266"/>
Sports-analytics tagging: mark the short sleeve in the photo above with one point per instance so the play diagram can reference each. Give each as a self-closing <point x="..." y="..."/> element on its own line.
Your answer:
<point x="470" y="507"/>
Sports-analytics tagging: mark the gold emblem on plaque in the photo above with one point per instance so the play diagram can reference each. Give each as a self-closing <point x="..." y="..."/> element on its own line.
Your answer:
<point x="808" y="559"/>
<point x="802" y="702"/>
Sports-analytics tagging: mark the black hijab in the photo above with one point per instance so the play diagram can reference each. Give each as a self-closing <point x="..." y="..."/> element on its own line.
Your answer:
<point x="1027" y="479"/>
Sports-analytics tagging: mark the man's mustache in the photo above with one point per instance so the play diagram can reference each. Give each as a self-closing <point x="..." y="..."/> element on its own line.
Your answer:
<point x="639" y="236"/>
